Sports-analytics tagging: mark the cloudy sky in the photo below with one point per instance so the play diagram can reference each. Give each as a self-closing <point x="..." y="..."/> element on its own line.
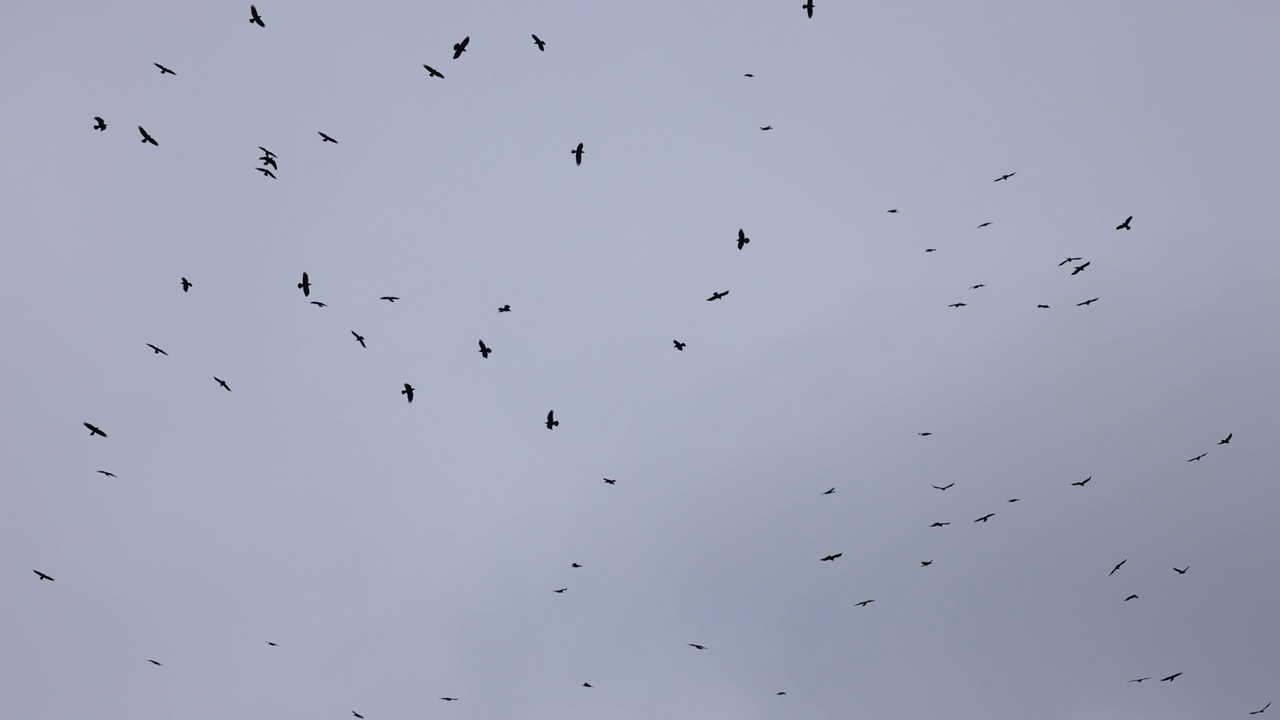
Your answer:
<point x="398" y="553"/>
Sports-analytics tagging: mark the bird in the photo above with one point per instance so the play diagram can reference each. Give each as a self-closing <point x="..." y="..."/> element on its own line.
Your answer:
<point x="679" y="345"/>
<point x="223" y="383"/>
<point x="266" y="172"/>
<point x="957" y="305"/>
<point x="1138" y="680"/>
<point x="985" y="224"/>
<point x="924" y="434"/>
<point x="780" y="693"/>
<point x="808" y="7"/>
<point x="940" y="524"/>
<point x="1197" y="457"/>
<point x="542" y="45"/>
<point x="432" y="72"/>
<point x="1005" y="177"/>
<point x="266" y="152"/>
<point x="1131" y="597"/>
<point x="156" y="350"/>
<point x="146" y="138"/>
<point x="742" y="238"/>
<point x="268" y="160"/>
<point x="1083" y="482"/>
<point x="985" y="518"/>
<point x="561" y="590"/>
<point x="829" y="558"/>
<point x="1117" y="567"/>
<point x="587" y="685"/>
<point x="1080" y="268"/>
<point x="608" y="481"/>
<point x="975" y="287"/>
<point x="926" y="563"/>
<point x="504" y="308"/>
<point x="864" y="603"/>
<point x="747" y="75"/>
<point x="459" y="48"/>
<point x="390" y="298"/>
<point x="1046" y="307"/>
<point x="359" y="339"/>
<point x="1259" y="712"/>
<point x="94" y="430"/>
<point x="42" y="576"/>
<point x="830" y="492"/>
<point x="186" y="284"/>
<point x="272" y="644"/>
<point x="326" y="138"/>
<point x="1087" y="302"/>
<point x="100" y="124"/>
<point x="305" y="285"/>
<point x="353" y="712"/>
<point x="1170" y="678"/>
<point x="484" y="350"/>
<point x="448" y="699"/>
<point x="317" y="303"/>
<point x="931" y="249"/>
<point x="1014" y="499"/>
<point x="944" y="487"/>
<point x="717" y="295"/>
<point x="697" y="647"/>
<point x="766" y="127"/>
<point x="1125" y="225"/>
<point x="407" y="392"/>
<point x="1183" y="571"/>
<point x="108" y="474"/>
<point x="552" y="422"/>
<point x="1226" y="440"/>
<point x="892" y="211"/>
<point x="164" y="70"/>
<point x="153" y="662"/>
<point x="577" y="154"/>
<point x="1068" y="260"/>
<point x="576" y="565"/>
<point x="255" y="18"/>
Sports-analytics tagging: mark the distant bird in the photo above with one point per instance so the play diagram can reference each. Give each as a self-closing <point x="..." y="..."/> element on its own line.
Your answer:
<point x="975" y="287"/>
<point x="108" y="474"/>
<point x="864" y="603"/>
<point x="561" y="590"/>
<point x="223" y="383"/>
<point x="1013" y="499"/>
<point x="587" y="685"/>
<point x="146" y="138"/>
<point x="505" y="308"/>
<point x="1183" y="571"/>
<point x="407" y="392"/>
<point x="267" y="152"/>
<point x="484" y="350"/>
<point x="552" y="422"/>
<point x="432" y="72"/>
<point x="1259" y="712"/>
<point x="1005" y="177"/>
<point x="742" y="238"/>
<point x="1131" y="597"/>
<point x="1046" y="307"/>
<point x="985" y="518"/>
<point x="269" y="161"/>
<point x="186" y="284"/>
<point x="359" y="339"/>
<point x="153" y="662"/>
<point x="830" y="492"/>
<point x="353" y="712"/>
<point x="390" y="298"/>
<point x="926" y="563"/>
<point x="1083" y="482"/>
<point x="985" y="224"/>
<point x="924" y="434"/>
<point x="1226" y="440"/>
<point x="944" y="487"/>
<point x="717" y="295"/>
<point x="1068" y="260"/>
<point x="892" y="211"/>
<point x="42" y="576"/>
<point x="1117" y="567"/>
<point x="317" y="303"/>
<point x="272" y="644"/>
<point x="1194" y="459"/>
<point x="678" y="345"/>
<point x="1170" y="678"/>
<point x="326" y="138"/>
<point x="266" y="172"/>
<point x="100" y="125"/>
<point x="931" y="249"/>
<point x="94" y="430"/>
<point x="255" y="18"/>
<point x="696" y="647"/>
<point x="608" y="481"/>
<point x="459" y="48"/>
<point x="1080" y="268"/>
<point x="1125" y="225"/>
<point x="829" y="558"/>
<point x="747" y="75"/>
<point x="305" y="285"/>
<point x="1087" y="302"/>
<point x="164" y="70"/>
<point x="577" y="154"/>
<point x="1138" y="680"/>
<point x="155" y="350"/>
<point x="780" y="693"/>
<point x="448" y="699"/>
<point x="957" y="305"/>
<point x="542" y="45"/>
<point x="808" y="7"/>
<point x="940" y="524"/>
<point x="766" y="127"/>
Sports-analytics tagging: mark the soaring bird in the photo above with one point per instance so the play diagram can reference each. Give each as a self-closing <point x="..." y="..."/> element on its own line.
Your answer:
<point x="223" y="383"/>
<point x="944" y="487"/>
<point x="1183" y="571"/>
<point x="505" y="308"/>
<point x="390" y="298"/>
<point x="542" y="45"/>
<point x="459" y="48"/>
<point x="829" y="558"/>
<point x="610" y="481"/>
<point x="985" y="518"/>
<point x="561" y="590"/>
<point x="1226" y="440"/>
<point x="696" y="647"/>
<point x="679" y="345"/>
<point x="957" y="305"/>
<point x="1138" y="680"/>
<point x="269" y="161"/>
<point x="432" y="72"/>
<point x="717" y="295"/>
<point x="924" y="434"/>
<point x="317" y="303"/>
<point x="146" y="137"/>
<point x="448" y="699"/>
<point x="576" y="565"/>
<point x="1125" y="225"/>
<point x="1005" y="177"/>
<point x="742" y="238"/>
<point x="766" y="127"/>
<point x="587" y="685"/>
<point x="864" y="603"/>
<point x="1131" y="597"/>
<point x="1087" y="302"/>
<point x="153" y="662"/>
<point x="407" y="392"/>
<point x="552" y="422"/>
<point x="326" y="138"/>
<point x="1068" y="260"/>
<point x="1046" y="307"/>
<point x="931" y="249"/>
<point x="1083" y="482"/>
<point x="305" y="285"/>
<point x="577" y="154"/>
<point x="1014" y="499"/>
<point x="926" y="563"/>
<point x="1259" y="712"/>
<point x="100" y="125"/>
<point x="272" y="644"/>
<point x="892" y="211"/>
<point x="940" y="524"/>
<point x="484" y="350"/>
<point x="1197" y="457"/>
<point x="1080" y="268"/>
<point x="353" y="712"/>
<point x="747" y="75"/>
<point x="808" y="7"/>
<point x="155" y="350"/>
<point x="266" y="172"/>
<point x="266" y="152"/>
<point x="42" y="576"/>
<point x="186" y="284"/>
<point x="108" y="474"/>
<point x="255" y="18"/>
<point x="1170" y="678"/>
<point x="94" y="430"/>
<point x="830" y="492"/>
<point x="359" y="339"/>
<point x="985" y="224"/>
<point x="975" y="287"/>
<point x="1117" y="567"/>
<point x="164" y="70"/>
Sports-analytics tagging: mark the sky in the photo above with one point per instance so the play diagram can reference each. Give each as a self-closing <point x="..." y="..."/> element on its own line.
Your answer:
<point x="402" y="552"/>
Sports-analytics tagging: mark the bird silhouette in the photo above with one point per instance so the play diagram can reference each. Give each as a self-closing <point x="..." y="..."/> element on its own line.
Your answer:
<point x="1046" y="307"/>
<point x="830" y="492"/>
<point x="577" y="154"/>
<point x="459" y="48"/>
<point x="864" y="603"/>
<point x="931" y="249"/>
<point x="266" y="172"/>
<point x="432" y="72"/>
<point x="780" y="693"/>
<point x="1087" y="302"/>
<point x="587" y="685"/>
<point x="829" y="558"/>
<point x="940" y="524"/>
<point x="747" y="75"/>
<point x="1117" y="567"/>
<point x="267" y="152"/>
<point x="317" y="303"/>
<point x="1131" y="597"/>
<point x="186" y="284"/>
<point x="504" y="308"/>
<point x="1138" y="680"/>
<point x="1005" y="177"/>
<point x="407" y="392"/>
<point x="985" y="518"/>
<point x="359" y="339"/>
<point x="1014" y="499"/>
<point x="696" y="647"/>
<point x="679" y="345"/>
<point x="146" y="137"/>
<point x="926" y="563"/>
<point x="447" y="699"/>
<point x="608" y="481"/>
<point x="975" y="287"/>
<point x="389" y="298"/>
<point x="1259" y="712"/>
<point x="1170" y="678"/>
<point x="552" y="422"/>
<point x="892" y="211"/>
<point x="484" y="350"/>
<point x="327" y="138"/>
<point x="353" y="712"/>
<point x="1196" y="458"/>
<point x="1125" y="225"/>
<point x="561" y="590"/>
<point x="1183" y="571"/>
<point x="255" y="18"/>
<point x="1068" y="260"/>
<point x="108" y="474"/>
<point x="94" y="430"/>
<point x="1083" y="482"/>
<point x="269" y="161"/>
<point x="808" y="7"/>
<point x="100" y="124"/>
<point x="42" y="576"/>
<point x="717" y="295"/>
<point x="155" y="350"/>
<point x="924" y="434"/>
<point x="766" y="127"/>
<point x="957" y="305"/>
<point x="1080" y="268"/>
<point x="223" y="383"/>
<point x="272" y="644"/>
<point x="153" y="662"/>
<point x="164" y="70"/>
<point x="542" y="46"/>
<point x="742" y="239"/>
<point x="576" y="565"/>
<point x="305" y="285"/>
<point x="985" y="224"/>
<point x="1226" y="440"/>
<point x="944" y="487"/>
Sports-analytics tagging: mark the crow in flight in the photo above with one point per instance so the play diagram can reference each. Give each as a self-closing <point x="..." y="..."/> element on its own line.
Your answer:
<point x="1125" y="225"/>
<point x="767" y="127"/>
<point x="1117" y="567"/>
<point x="697" y="647"/>
<point x="326" y="138"/>
<point x="42" y="576"/>
<point x="561" y="590"/>
<point x="808" y="7"/>
<point x="353" y="712"/>
<point x="985" y="224"/>
<point x="892" y="211"/>
<point x="1259" y="712"/>
<point x="389" y="298"/>
<point x="146" y="138"/>
<point x="1131" y="597"/>
<point x="407" y="392"/>
<point x="505" y="308"/>
<point x="926" y="563"/>
<point x="864" y="603"/>
<point x="266" y="152"/>
<point x="830" y="492"/>
<point x="1226" y="440"/>
<point x="223" y="383"/>
<point x="679" y="345"/>
<point x="359" y="339"/>
<point x="1046" y="307"/>
<point x="780" y="693"/>
<point x="1083" y="482"/>
<point x="1080" y="268"/>
<point x="270" y="161"/>
<point x="1070" y="259"/>
<point x="742" y="238"/>
<point x="255" y="18"/>
<point x="944" y="487"/>
<point x="94" y="430"/>
<point x="931" y="249"/>
<point x="448" y="699"/>
<point x="577" y="154"/>
<point x="1197" y="457"/>
<point x="940" y="524"/>
<point x="432" y="72"/>
<point x="108" y="474"/>
<point x="747" y="75"/>
<point x="1087" y="302"/>
<point x="305" y="285"/>
<point x="484" y="350"/>
<point x="1013" y="499"/>
<point x="317" y="303"/>
<point x="459" y="48"/>
<point x="1183" y="571"/>
<point x="542" y="45"/>
<point x="1170" y="678"/>
<point x="576" y="565"/>
<point x="266" y="172"/>
<point x="1005" y="177"/>
<point x="717" y="295"/>
<point x="1141" y="679"/>
<point x="164" y="70"/>
<point x="607" y="481"/>
<point x="924" y="434"/>
<point x="552" y="422"/>
<point x="829" y="558"/>
<point x="957" y="305"/>
<point x="272" y="644"/>
<point x="156" y="350"/>
<point x="979" y="285"/>
<point x="186" y="284"/>
<point x="984" y="518"/>
<point x="587" y="685"/>
<point x="101" y="124"/>
<point x="153" y="662"/>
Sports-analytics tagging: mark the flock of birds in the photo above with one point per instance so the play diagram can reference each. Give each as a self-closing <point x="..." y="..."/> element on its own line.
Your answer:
<point x="269" y="164"/>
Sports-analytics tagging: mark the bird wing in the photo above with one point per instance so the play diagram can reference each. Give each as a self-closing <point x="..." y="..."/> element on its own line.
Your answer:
<point x="464" y="42"/>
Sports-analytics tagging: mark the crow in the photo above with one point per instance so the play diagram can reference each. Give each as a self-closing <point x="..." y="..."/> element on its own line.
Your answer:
<point x="255" y="18"/>
<point x="940" y="524"/>
<point x="266" y="172"/>
<point x="808" y="7"/>
<point x="317" y="303"/>
<point x="696" y="647"/>
<point x="1014" y="499"/>
<point x="892" y="211"/>
<point x="1183" y="571"/>
<point x="1197" y="457"/>
<point x="924" y="434"/>
<point x="504" y="308"/>
<point x="1138" y="680"/>
<point x="42" y="576"/>
<point x="944" y="487"/>
<point x="957" y="305"/>
<point x="561" y="590"/>
<point x="326" y="138"/>
<point x="1046" y="307"/>
<point x="101" y="124"/>
<point x="577" y="154"/>
<point x="223" y="383"/>
<point x="576" y="565"/>
<point x="407" y="392"/>
<point x="1117" y="567"/>
<point x="742" y="238"/>
<point x="108" y="474"/>
<point x="432" y="72"/>
<point x="94" y="430"/>
<point x="1226" y="440"/>
<point x="608" y="481"/>
<point x="542" y="45"/>
<point x="353" y="712"/>
<point x="305" y="285"/>
<point x="1080" y="268"/>
<point x="1131" y="597"/>
<point x="448" y="699"/>
<point x="1070" y="259"/>
<point x="717" y="295"/>
<point x="1083" y="482"/>
<point x="926" y="563"/>
<point x="484" y="350"/>
<point x="459" y="48"/>
<point x="1170" y="678"/>
<point x="931" y="249"/>
<point x="153" y="662"/>
<point x="156" y="350"/>
<point x="1125" y="225"/>
<point x="679" y="345"/>
<point x="164" y="70"/>
<point x="984" y="518"/>
<point x="390" y="298"/>
<point x="268" y="160"/>
<point x="266" y="152"/>
<point x="1005" y="177"/>
<point x="1259" y="712"/>
<point x="1087" y="302"/>
<point x="587" y="685"/>
<point x="552" y="422"/>
<point x="186" y="284"/>
<point x="359" y="339"/>
<point x="747" y="75"/>
<point x="864" y="603"/>
<point x="272" y="644"/>
<point x="975" y="287"/>
<point x="985" y="224"/>
<point x="830" y="492"/>
<point x="829" y="558"/>
<point x="767" y="127"/>
<point x="146" y="137"/>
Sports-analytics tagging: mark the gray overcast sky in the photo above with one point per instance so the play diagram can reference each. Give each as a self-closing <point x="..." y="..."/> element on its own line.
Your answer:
<point x="401" y="552"/>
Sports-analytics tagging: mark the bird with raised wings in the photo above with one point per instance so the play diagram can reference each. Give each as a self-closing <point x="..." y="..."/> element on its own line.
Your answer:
<point x="577" y="154"/>
<point x="985" y="518"/>
<point x="944" y="487"/>
<point x="100" y="124"/>
<point x="146" y="137"/>
<point x="829" y="558"/>
<point x="407" y="392"/>
<point x="552" y="422"/>
<point x="864" y="603"/>
<point x="1259" y="712"/>
<point x="940" y="524"/>
<point x="542" y="46"/>
<point x="1170" y="678"/>
<point x="678" y="345"/>
<point x="461" y="47"/>
<point x="742" y="239"/>
<point x="186" y="285"/>
<point x="1125" y="225"/>
<point x="255" y="18"/>
<point x="1226" y="440"/>
<point x="484" y="350"/>
<point x="1083" y="482"/>
<point x="106" y="473"/>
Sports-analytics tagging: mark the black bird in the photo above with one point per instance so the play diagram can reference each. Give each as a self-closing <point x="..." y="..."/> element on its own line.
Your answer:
<point x="432" y="72"/>
<point x="780" y="693"/>
<point x="957" y="305"/>
<point x="931" y="250"/>
<point x="747" y="75"/>
<point x="305" y="285"/>
<point x="767" y="127"/>
<point x="561" y="590"/>
<point x="1183" y="571"/>
<point x="587" y="685"/>
<point x="153" y="662"/>
<point x="1083" y="482"/>
<point x="42" y="576"/>
<point x="326" y="138"/>
<point x="926" y="563"/>
<point x="1087" y="302"/>
<point x="101" y="124"/>
<point x="1080" y="268"/>
<point x="164" y="70"/>
<point x="924" y="434"/>
<point x="940" y="524"/>
<point x="317" y="303"/>
<point x="155" y="350"/>
<point x="1117" y="567"/>
<point x="407" y="392"/>
<point x="94" y="430"/>
<point x="484" y="350"/>
<point x="608" y="481"/>
<point x="266" y="152"/>
<point x="1197" y="457"/>
<point x="1005" y="177"/>
<point x="830" y="492"/>
<point x="577" y="154"/>
<point x="1226" y="440"/>
<point x="266" y="172"/>
<point x="1014" y="499"/>
<point x="808" y="7"/>
<point x="1140" y="679"/>
<point x="864" y="603"/>
<point x="353" y="712"/>
<point x="186" y="284"/>
<point x="359" y="339"/>
<point x="1046" y="307"/>
<point x="255" y="18"/>
<point x="717" y="295"/>
<point x="459" y="48"/>
<point x="1125" y="225"/>
<point x="975" y="287"/>
<point x="742" y="238"/>
<point x="1070" y="259"/>
<point x="1131" y="597"/>
<point x="272" y="644"/>
<point x="505" y="308"/>
<point x="1170" y="678"/>
<point x="829" y="558"/>
<point x="696" y="647"/>
<point x="1259" y="712"/>
<point x="540" y="43"/>
<point x="223" y="383"/>
<point x="892" y="211"/>
<point x="448" y="699"/>
<point x="679" y="345"/>
<point x="984" y="518"/>
<point x="552" y="422"/>
<point x="389" y="298"/>
<point x="146" y="138"/>
<point x="108" y="474"/>
<point x="944" y="487"/>
<point x="985" y="224"/>
<point x="575" y="565"/>
<point x="268" y="160"/>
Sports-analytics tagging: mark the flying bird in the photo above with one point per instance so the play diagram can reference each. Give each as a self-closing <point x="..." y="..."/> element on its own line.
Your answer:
<point x="679" y="345"/>
<point x="576" y="565"/>
<point x="1013" y="499"/>
<point x="1259" y="712"/>
<point x="223" y="383"/>
<point x="156" y="350"/>
<point x="459" y="48"/>
<point x="1183" y="571"/>
<point x="747" y="75"/>
<point x="484" y="350"/>
<point x="931" y="249"/>
<point x="829" y="558"/>
<point x="1046" y="307"/>
<point x="780" y="693"/>
<point x="448" y="699"/>
<point x="864" y="603"/>
<point x="542" y="45"/>
<point x="305" y="285"/>
<point x="985" y="224"/>
<point x="1170" y="678"/>
<point x="359" y="339"/>
<point x="272" y="644"/>
<point x="108" y="474"/>
<point x="326" y="138"/>
<point x="153" y="662"/>
<point x="975" y="287"/>
<point x="255" y="18"/>
<point x="1087" y="302"/>
<point x="717" y="295"/>
<point x="985" y="518"/>
<point x="407" y="392"/>
<point x="808" y="7"/>
<point x="1005" y="177"/>
<point x="100" y="125"/>
<point x="577" y="154"/>
<point x="270" y="161"/>
<point x="924" y="434"/>
<point x="697" y="647"/>
<point x="164" y="70"/>
<point x="1117" y="567"/>
<point x="1131" y="597"/>
<point x="766" y="127"/>
<point x="1068" y="260"/>
<point x="317" y="303"/>
<point x="94" y="430"/>
<point x="1138" y="680"/>
<point x="146" y="138"/>
<point x="186" y="284"/>
<point x="561" y="590"/>
<point x="1226" y="440"/>
<point x="830" y="492"/>
<point x="266" y="172"/>
<point x="940" y="524"/>
<point x="944" y="487"/>
<point x="552" y="422"/>
<point x="957" y="305"/>
<point x="1083" y="482"/>
<point x="432" y="72"/>
<point x="742" y="238"/>
<point x="608" y="481"/>
<point x="1080" y="268"/>
<point x="587" y="685"/>
<point x="892" y="211"/>
<point x="1194" y="459"/>
<point x="266" y="152"/>
<point x="389" y="298"/>
<point x="505" y="308"/>
<point x="926" y="563"/>
<point x="42" y="576"/>
<point x="1125" y="225"/>
<point x="353" y="712"/>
